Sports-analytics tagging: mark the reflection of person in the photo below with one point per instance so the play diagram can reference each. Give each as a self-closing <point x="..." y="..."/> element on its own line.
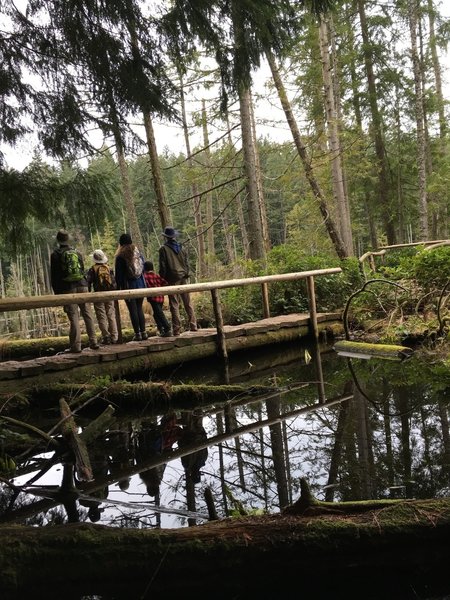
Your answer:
<point x="129" y="267"/>
<point x="154" y="440"/>
<point x="64" y="282"/>
<point x="100" y="278"/>
<point x="121" y="457"/>
<point x="193" y="433"/>
<point x="174" y="268"/>
<point x="152" y="279"/>
<point x="98" y="455"/>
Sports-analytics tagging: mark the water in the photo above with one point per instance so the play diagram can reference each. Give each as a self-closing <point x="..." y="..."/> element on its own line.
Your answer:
<point x="352" y="429"/>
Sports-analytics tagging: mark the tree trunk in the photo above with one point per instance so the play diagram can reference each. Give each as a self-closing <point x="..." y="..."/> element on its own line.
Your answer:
<point x="254" y="224"/>
<point x="210" y="245"/>
<point x="158" y="183"/>
<point x="377" y="128"/>
<point x="196" y="201"/>
<point x="337" y="173"/>
<point x="420" y="126"/>
<point x="332" y="230"/>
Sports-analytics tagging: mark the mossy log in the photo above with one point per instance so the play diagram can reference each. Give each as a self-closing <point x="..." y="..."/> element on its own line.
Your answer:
<point x="128" y="396"/>
<point x="367" y="350"/>
<point x="236" y="556"/>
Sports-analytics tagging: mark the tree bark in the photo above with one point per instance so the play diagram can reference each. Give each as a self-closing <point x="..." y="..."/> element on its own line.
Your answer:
<point x="332" y="230"/>
<point x="420" y="124"/>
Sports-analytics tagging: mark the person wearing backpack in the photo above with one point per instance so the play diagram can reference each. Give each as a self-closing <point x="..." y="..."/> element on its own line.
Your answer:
<point x="174" y="268"/>
<point x="100" y="278"/>
<point x="129" y="273"/>
<point x="67" y="277"/>
<point x="152" y="279"/>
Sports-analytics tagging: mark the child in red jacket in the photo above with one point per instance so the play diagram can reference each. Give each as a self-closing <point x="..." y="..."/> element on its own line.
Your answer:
<point x="152" y="279"/>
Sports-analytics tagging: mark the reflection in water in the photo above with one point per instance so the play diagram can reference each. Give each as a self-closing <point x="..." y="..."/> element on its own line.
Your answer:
<point x="374" y="432"/>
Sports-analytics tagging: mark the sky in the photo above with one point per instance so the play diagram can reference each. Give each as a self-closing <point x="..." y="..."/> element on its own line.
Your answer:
<point x="170" y="136"/>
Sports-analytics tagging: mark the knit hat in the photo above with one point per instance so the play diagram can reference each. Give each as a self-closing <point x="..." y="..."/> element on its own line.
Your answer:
<point x="125" y="239"/>
<point x="99" y="257"/>
<point x="62" y="237"/>
<point x="170" y="232"/>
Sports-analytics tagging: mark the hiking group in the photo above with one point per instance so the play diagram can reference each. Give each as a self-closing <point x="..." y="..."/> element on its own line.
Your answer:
<point x="131" y="272"/>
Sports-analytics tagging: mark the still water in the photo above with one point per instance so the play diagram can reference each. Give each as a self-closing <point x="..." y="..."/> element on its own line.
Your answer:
<point x="354" y="429"/>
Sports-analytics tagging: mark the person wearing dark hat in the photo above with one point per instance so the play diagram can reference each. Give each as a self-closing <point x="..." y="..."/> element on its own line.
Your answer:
<point x="67" y="277"/>
<point x="174" y="268"/>
<point x="100" y="278"/>
<point x="129" y="273"/>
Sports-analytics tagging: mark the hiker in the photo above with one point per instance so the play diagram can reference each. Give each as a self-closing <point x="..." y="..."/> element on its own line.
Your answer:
<point x="174" y="268"/>
<point x="100" y="278"/>
<point x="152" y="279"/>
<point x="129" y="269"/>
<point x="67" y="277"/>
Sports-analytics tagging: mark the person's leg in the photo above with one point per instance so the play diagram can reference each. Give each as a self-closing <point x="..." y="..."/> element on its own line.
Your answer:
<point x="88" y="317"/>
<point x="160" y="318"/>
<point x="73" y="315"/>
<point x="187" y="302"/>
<point x="174" y="306"/>
<point x="141" y="317"/>
<point x="102" y="320"/>
<point x="132" y="309"/>
<point x="112" y="323"/>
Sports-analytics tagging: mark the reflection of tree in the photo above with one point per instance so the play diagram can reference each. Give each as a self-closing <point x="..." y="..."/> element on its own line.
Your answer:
<point x="273" y="406"/>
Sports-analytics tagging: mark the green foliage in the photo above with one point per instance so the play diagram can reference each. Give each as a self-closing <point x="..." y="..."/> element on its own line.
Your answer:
<point x="431" y="268"/>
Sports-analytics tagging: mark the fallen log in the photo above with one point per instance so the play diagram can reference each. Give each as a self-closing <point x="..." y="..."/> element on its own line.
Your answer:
<point x="235" y="557"/>
<point x="128" y="396"/>
<point x="367" y="350"/>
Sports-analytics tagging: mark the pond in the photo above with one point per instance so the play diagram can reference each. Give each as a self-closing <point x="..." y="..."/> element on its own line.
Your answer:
<point x="353" y="429"/>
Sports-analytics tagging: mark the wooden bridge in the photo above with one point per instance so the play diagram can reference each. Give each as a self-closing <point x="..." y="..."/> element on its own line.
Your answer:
<point x="156" y="352"/>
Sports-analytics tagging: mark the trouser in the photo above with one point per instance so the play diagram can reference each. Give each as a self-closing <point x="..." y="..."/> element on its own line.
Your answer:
<point x="174" y="306"/>
<point x="73" y="313"/>
<point x="106" y="319"/>
<point x="134" y="306"/>
<point x="160" y="318"/>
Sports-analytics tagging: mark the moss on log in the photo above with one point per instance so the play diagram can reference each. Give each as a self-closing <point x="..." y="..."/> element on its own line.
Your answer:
<point x="128" y="396"/>
<point x="236" y="552"/>
<point x="367" y="350"/>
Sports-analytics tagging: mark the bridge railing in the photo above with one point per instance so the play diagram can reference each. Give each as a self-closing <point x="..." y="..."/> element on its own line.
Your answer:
<point x="29" y="302"/>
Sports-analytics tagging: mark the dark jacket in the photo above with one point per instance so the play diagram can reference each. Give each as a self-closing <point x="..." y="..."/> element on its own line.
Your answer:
<point x="173" y="263"/>
<point x="124" y="282"/>
<point x="60" y="286"/>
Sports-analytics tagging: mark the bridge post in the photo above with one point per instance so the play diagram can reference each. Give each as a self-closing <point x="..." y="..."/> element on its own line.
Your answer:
<point x="312" y="305"/>
<point x="221" y="339"/>
<point x="265" y="300"/>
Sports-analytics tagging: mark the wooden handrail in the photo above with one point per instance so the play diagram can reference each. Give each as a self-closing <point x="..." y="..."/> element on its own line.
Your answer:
<point x="24" y="302"/>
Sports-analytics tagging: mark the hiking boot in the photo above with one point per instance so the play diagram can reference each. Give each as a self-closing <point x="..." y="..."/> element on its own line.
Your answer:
<point x="193" y="328"/>
<point x="106" y="341"/>
<point x="167" y="333"/>
<point x="72" y="351"/>
<point x="137" y="337"/>
<point x="144" y="335"/>
<point x="94" y="346"/>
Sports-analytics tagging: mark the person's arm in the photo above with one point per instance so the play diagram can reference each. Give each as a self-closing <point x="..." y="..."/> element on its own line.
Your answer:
<point x="162" y="262"/>
<point x="55" y="273"/>
<point x="120" y="270"/>
<point x="90" y="278"/>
